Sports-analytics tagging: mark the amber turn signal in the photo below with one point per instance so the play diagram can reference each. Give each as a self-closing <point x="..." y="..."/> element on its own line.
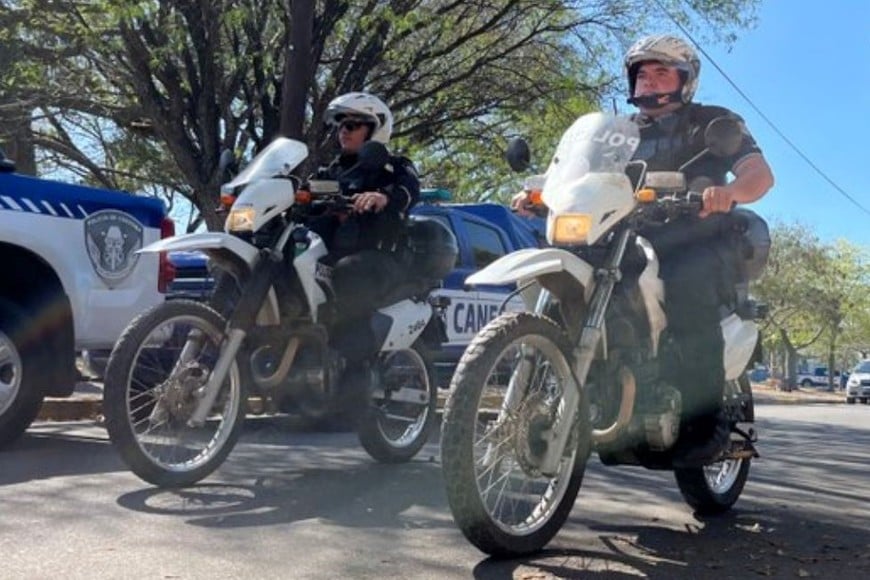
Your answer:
<point x="303" y="196"/>
<point x="227" y="200"/>
<point x="645" y="195"/>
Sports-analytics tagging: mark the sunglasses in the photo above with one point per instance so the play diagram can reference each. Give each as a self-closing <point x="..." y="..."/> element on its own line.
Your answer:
<point x="351" y="125"/>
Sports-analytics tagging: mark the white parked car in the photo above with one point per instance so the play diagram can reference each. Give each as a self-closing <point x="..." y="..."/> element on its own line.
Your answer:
<point x="858" y="386"/>
<point x="813" y="377"/>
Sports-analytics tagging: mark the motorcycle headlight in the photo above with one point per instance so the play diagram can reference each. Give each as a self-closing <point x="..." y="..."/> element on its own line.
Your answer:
<point x="571" y="228"/>
<point x="241" y="219"/>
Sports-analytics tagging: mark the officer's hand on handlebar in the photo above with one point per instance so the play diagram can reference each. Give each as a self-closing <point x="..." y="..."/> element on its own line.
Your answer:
<point x="370" y="201"/>
<point x="528" y="204"/>
<point x="717" y="199"/>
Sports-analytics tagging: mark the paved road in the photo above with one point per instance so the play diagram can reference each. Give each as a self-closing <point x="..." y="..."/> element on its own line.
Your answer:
<point x="305" y="505"/>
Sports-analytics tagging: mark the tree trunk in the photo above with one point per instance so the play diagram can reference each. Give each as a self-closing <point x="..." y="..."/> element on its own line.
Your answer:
<point x="20" y="147"/>
<point x="297" y="70"/>
<point x="791" y="363"/>
<point x="832" y="354"/>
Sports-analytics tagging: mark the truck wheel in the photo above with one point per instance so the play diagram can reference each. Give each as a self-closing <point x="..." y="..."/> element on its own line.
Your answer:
<point x="806" y="383"/>
<point x="20" y="383"/>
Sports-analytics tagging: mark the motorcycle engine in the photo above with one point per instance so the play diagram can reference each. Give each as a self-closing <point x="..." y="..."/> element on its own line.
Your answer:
<point x="658" y="416"/>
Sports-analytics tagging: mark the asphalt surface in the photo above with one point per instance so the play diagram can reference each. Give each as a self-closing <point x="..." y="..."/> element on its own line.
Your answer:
<point x="291" y="504"/>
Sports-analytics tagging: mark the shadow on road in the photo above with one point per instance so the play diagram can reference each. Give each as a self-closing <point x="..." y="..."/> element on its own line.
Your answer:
<point x="738" y="545"/>
<point x="798" y="518"/>
<point x="378" y="497"/>
<point x="57" y="450"/>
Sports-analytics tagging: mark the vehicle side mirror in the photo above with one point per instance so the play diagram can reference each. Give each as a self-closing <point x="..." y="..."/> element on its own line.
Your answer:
<point x="372" y="156"/>
<point x="518" y="155"/>
<point x="723" y="136"/>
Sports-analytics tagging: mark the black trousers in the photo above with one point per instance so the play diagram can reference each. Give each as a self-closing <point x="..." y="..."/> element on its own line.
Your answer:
<point x="361" y="281"/>
<point x="699" y="276"/>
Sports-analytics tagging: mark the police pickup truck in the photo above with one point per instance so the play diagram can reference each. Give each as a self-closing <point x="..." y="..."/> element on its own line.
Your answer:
<point x="484" y="232"/>
<point x="72" y="281"/>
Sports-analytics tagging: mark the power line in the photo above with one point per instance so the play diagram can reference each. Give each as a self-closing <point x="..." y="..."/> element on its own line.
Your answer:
<point x="782" y="135"/>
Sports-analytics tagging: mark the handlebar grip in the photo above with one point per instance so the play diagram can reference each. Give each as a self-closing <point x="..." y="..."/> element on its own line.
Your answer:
<point x="694" y="201"/>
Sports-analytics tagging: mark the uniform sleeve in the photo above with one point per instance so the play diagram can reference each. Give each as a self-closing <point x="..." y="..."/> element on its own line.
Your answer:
<point x="406" y="187"/>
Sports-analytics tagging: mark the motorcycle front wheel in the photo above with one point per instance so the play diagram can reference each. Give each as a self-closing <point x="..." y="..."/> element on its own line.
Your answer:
<point x="154" y="381"/>
<point x="401" y="411"/>
<point x="506" y="395"/>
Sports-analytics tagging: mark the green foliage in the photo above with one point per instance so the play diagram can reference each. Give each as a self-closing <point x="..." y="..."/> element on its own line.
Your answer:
<point x="163" y="86"/>
<point x="818" y="294"/>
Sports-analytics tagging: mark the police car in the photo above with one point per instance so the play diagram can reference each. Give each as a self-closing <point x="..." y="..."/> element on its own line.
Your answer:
<point x="72" y="281"/>
<point x="484" y="232"/>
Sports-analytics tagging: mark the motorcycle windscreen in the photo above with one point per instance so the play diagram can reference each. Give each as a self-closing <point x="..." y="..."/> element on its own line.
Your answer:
<point x="586" y="177"/>
<point x="278" y="159"/>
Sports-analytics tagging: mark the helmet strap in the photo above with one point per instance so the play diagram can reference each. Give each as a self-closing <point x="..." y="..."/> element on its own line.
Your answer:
<point x="657" y="100"/>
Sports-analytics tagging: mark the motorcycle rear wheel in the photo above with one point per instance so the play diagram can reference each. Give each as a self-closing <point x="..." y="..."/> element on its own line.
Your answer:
<point x="149" y="395"/>
<point x="714" y="489"/>
<point x="402" y="409"/>
<point x="492" y="440"/>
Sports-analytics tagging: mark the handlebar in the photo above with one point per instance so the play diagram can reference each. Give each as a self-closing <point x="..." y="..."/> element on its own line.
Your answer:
<point x="670" y="206"/>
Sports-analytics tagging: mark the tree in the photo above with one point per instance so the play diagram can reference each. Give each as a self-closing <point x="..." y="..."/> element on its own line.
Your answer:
<point x="843" y="296"/>
<point x="182" y="80"/>
<point x="818" y="294"/>
<point x="788" y="287"/>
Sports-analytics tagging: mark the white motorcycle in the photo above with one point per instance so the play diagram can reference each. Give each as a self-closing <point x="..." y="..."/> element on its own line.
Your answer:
<point x="535" y="392"/>
<point x="178" y="382"/>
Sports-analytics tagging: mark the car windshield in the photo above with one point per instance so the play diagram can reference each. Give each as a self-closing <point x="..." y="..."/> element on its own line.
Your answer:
<point x="863" y="367"/>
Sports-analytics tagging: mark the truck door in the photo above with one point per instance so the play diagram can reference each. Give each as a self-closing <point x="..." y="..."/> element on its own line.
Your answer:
<point x="471" y="309"/>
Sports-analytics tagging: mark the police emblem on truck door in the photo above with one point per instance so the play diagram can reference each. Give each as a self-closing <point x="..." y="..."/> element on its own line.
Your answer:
<point x="112" y="238"/>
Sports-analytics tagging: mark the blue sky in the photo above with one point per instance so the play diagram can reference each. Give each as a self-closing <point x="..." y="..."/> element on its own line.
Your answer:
<point x="806" y="66"/>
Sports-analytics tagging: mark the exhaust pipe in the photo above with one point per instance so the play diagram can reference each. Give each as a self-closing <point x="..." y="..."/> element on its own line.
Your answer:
<point x="626" y="409"/>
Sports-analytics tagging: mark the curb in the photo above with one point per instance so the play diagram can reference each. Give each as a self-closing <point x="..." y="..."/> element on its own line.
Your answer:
<point x="72" y="409"/>
<point x="86" y="403"/>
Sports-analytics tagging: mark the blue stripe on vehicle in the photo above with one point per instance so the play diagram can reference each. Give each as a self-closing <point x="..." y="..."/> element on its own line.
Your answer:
<point x="24" y="194"/>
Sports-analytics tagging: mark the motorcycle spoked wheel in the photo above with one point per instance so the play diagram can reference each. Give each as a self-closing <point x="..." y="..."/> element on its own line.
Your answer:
<point x="401" y="413"/>
<point x="490" y="449"/>
<point x="714" y="489"/>
<point x="149" y="395"/>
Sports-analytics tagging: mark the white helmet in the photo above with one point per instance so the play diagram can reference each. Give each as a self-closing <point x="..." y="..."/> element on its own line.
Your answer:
<point x="668" y="50"/>
<point x="366" y="106"/>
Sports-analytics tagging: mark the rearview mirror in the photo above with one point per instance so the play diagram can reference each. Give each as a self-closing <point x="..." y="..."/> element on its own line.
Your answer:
<point x="723" y="136"/>
<point x="372" y="156"/>
<point x="518" y="155"/>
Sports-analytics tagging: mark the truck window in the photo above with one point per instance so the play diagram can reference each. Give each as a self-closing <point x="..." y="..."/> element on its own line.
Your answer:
<point x="486" y="243"/>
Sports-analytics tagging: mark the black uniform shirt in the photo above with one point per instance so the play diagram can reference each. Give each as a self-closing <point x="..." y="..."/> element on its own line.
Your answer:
<point x="669" y="141"/>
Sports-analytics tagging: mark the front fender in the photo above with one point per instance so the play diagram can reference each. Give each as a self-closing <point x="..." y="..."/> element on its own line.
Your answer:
<point x="526" y="265"/>
<point x="229" y="253"/>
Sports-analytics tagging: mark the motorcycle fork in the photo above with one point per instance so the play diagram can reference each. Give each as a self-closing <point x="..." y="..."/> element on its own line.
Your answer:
<point x="584" y="353"/>
<point x="242" y="319"/>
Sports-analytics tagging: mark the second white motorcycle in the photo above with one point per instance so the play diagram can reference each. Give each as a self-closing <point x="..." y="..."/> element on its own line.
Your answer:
<point x="178" y="383"/>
